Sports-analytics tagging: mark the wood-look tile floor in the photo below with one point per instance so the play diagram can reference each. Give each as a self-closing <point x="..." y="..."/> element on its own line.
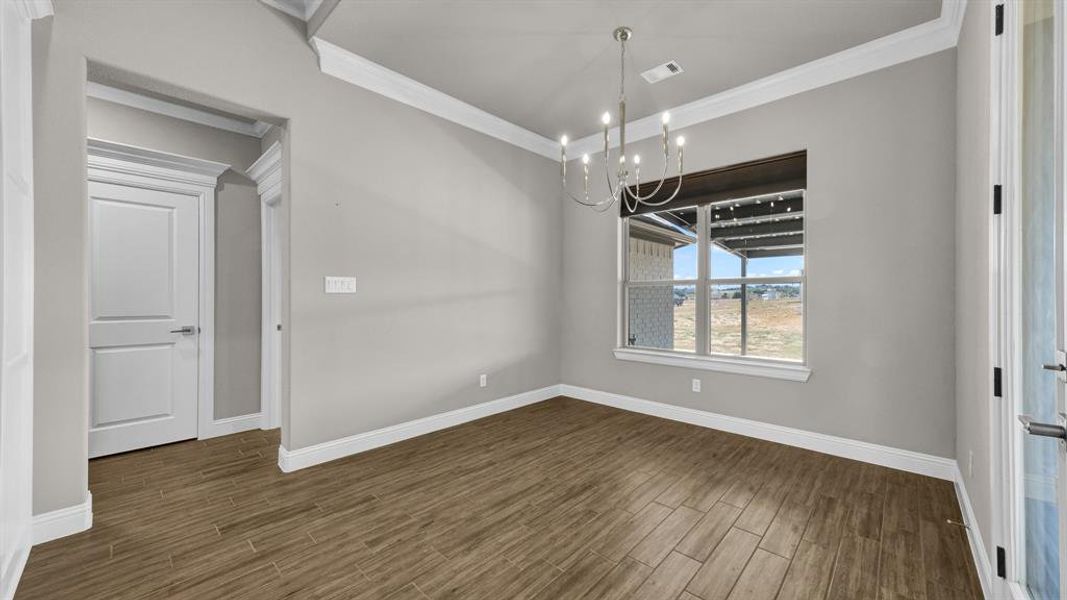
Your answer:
<point x="562" y="499"/>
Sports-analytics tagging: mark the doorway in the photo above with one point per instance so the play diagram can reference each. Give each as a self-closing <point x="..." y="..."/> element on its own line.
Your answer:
<point x="1032" y="306"/>
<point x="151" y="295"/>
<point x="184" y="274"/>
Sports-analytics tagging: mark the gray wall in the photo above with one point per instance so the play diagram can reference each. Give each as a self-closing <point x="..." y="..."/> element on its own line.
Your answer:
<point x="455" y="237"/>
<point x="974" y="397"/>
<point x="880" y="252"/>
<point x="237" y="248"/>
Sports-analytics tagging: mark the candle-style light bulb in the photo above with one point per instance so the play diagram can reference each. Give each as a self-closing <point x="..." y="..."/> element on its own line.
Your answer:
<point x="637" y="159"/>
<point x="605" y="118"/>
<point x="585" y="159"/>
<point x="563" y="140"/>
<point x="680" y="141"/>
<point x="666" y="117"/>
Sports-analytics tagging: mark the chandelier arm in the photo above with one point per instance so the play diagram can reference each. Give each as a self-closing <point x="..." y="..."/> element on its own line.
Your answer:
<point x="626" y="200"/>
<point x="608" y="203"/>
<point x="585" y="202"/>
<point x="643" y="199"/>
<point x="614" y="192"/>
<point x="677" y="189"/>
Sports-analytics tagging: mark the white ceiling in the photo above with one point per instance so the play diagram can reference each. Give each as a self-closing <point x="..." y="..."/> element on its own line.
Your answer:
<point x="552" y="67"/>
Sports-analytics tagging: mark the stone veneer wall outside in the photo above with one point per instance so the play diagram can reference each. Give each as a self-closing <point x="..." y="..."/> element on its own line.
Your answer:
<point x="651" y="308"/>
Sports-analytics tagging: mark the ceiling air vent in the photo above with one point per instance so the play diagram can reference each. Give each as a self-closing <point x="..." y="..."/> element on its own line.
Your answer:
<point x="667" y="69"/>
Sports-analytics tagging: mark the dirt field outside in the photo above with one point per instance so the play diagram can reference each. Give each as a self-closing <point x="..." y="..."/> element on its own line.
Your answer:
<point x="775" y="327"/>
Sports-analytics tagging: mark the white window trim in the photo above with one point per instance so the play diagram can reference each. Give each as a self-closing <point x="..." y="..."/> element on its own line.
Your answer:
<point x="723" y="364"/>
<point x="787" y="370"/>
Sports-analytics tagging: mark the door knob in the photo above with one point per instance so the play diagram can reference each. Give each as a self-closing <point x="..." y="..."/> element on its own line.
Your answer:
<point x="1052" y="430"/>
<point x="186" y="330"/>
<point x="1058" y="367"/>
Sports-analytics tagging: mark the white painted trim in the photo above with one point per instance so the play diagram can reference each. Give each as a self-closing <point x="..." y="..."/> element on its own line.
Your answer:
<point x="122" y="164"/>
<point x="16" y="290"/>
<point x="774" y="370"/>
<point x="974" y="537"/>
<point x="896" y="458"/>
<point x="229" y="425"/>
<point x="64" y="521"/>
<point x="36" y="9"/>
<point x="255" y="129"/>
<point x="206" y="338"/>
<point x="344" y="65"/>
<point x="303" y="12"/>
<point x="292" y="460"/>
<point x="267" y="173"/>
<point x="144" y="162"/>
<point x="920" y="40"/>
<point x="9" y="581"/>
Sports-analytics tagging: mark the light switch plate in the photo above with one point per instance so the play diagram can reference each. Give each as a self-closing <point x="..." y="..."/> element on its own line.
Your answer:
<point x="339" y="285"/>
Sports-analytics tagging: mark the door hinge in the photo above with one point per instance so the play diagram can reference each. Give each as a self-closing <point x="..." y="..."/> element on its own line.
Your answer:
<point x="996" y="382"/>
<point x="998" y="22"/>
<point x="997" y="193"/>
<point x="1002" y="563"/>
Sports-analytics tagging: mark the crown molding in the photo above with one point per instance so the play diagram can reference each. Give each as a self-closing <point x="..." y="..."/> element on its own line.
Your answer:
<point x="903" y="46"/>
<point x="915" y="42"/>
<point x="135" y="160"/>
<point x="36" y="9"/>
<point x="256" y="129"/>
<point x="267" y="173"/>
<point x="301" y="9"/>
<point x="344" y="65"/>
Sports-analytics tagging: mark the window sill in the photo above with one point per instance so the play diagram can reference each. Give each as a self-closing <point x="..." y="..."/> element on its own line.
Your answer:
<point x="756" y="368"/>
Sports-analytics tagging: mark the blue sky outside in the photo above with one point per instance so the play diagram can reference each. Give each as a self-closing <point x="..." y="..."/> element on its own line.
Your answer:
<point x="724" y="264"/>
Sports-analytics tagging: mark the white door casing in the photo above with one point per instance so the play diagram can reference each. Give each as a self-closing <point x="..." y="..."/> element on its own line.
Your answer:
<point x="16" y="289"/>
<point x="267" y="173"/>
<point x="151" y="271"/>
<point x="1013" y="487"/>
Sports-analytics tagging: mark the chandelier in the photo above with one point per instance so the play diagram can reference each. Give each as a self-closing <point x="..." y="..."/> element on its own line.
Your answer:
<point x="619" y="185"/>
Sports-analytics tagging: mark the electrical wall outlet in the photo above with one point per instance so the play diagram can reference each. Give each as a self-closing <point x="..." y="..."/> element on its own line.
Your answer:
<point x="696" y="385"/>
<point x="482" y="380"/>
<point x="339" y="285"/>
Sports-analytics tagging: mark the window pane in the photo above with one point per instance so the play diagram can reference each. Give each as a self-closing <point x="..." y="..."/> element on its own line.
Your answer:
<point x="725" y="319"/>
<point x="662" y="317"/>
<point x="775" y="321"/>
<point x="776" y="266"/>
<point x="662" y="246"/>
<point x="759" y="236"/>
<point x="724" y="264"/>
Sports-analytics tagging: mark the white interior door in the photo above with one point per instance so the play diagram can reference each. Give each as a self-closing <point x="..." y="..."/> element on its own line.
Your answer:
<point x="143" y="323"/>
<point x="16" y="296"/>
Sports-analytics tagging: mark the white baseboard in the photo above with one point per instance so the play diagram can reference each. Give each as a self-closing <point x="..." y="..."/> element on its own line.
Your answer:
<point x="231" y="425"/>
<point x="63" y="522"/>
<point x="9" y="580"/>
<point x="292" y="460"/>
<point x="905" y="460"/>
<point x="974" y="536"/>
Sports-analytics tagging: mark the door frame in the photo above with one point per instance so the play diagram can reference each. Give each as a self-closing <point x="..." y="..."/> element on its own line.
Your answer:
<point x="16" y="288"/>
<point x="267" y="173"/>
<point x="133" y="166"/>
<point x="1005" y="306"/>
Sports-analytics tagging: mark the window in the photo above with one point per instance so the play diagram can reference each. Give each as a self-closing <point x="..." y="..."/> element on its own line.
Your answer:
<point x="719" y="280"/>
<point x="756" y="277"/>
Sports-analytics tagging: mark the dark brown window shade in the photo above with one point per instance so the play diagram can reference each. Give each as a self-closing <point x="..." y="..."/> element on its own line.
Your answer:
<point x="754" y="178"/>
